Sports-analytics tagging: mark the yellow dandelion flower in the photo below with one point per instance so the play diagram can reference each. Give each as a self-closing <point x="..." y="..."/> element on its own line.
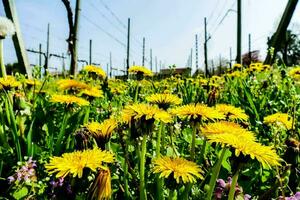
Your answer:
<point x="236" y="66"/>
<point x="32" y="82"/>
<point x="197" y="112"/>
<point x="9" y="82"/>
<point x="231" y="112"/>
<point x="264" y="154"/>
<point x="68" y="99"/>
<point x="224" y="127"/>
<point x="180" y="169"/>
<point x="67" y="84"/>
<point x="97" y="70"/>
<point x="266" y="67"/>
<point x="140" y="70"/>
<point x="93" y="92"/>
<point x="295" y="73"/>
<point x="146" y="112"/>
<point x="75" y="162"/>
<point x="102" y="130"/>
<point x="101" y="188"/>
<point x="236" y="74"/>
<point x="279" y="119"/>
<point x="164" y="100"/>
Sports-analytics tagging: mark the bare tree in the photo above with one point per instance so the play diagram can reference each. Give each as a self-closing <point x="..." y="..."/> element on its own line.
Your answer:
<point x="73" y="31"/>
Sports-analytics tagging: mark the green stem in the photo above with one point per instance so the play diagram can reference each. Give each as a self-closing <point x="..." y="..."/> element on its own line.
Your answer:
<point x="214" y="176"/>
<point x="193" y="143"/>
<point x="143" y="195"/>
<point x="202" y="151"/>
<point x="3" y="70"/>
<point x="159" y="181"/>
<point x="61" y="134"/>
<point x="158" y="142"/>
<point x="29" y="140"/>
<point x="171" y="194"/>
<point x="87" y="114"/>
<point x="233" y="184"/>
<point x="13" y="125"/>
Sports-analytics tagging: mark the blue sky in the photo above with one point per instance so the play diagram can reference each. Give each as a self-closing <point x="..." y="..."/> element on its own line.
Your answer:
<point x="169" y="27"/>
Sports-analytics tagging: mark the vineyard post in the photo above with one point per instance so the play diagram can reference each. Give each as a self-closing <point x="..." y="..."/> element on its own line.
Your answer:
<point x="151" y="67"/>
<point x="47" y="48"/>
<point x="205" y="48"/>
<point x="239" y="32"/>
<point x="230" y="57"/>
<point x="90" y="52"/>
<point x="110" y="64"/>
<point x="281" y="29"/>
<point x="249" y="47"/>
<point x="11" y="13"/>
<point x="128" y="46"/>
<point x="191" y="60"/>
<point x="156" y="64"/>
<point x="40" y="55"/>
<point x="143" y="59"/>
<point x="196" y="51"/>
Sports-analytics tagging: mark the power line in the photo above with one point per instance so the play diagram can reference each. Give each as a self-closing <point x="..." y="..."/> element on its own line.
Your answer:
<point x="107" y="19"/>
<point x="218" y="16"/>
<point x="223" y="18"/>
<point x="119" y="21"/>
<point x="113" y="14"/>
<point x="103" y="30"/>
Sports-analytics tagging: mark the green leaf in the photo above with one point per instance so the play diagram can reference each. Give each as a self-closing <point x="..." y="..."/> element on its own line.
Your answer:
<point x="19" y="194"/>
<point x="225" y="162"/>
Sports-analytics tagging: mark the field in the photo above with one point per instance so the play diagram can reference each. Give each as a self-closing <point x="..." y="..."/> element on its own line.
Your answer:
<point x="232" y="136"/>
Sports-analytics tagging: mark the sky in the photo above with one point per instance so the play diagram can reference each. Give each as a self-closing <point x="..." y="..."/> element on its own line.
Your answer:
<point x="169" y="28"/>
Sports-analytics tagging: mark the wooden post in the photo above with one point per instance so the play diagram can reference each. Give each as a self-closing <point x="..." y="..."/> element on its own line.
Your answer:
<point x="40" y="55"/>
<point x="74" y="65"/>
<point x="205" y="48"/>
<point x="11" y="13"/>
<point x="128" y="46"/>
<point x="239" y="32"/>
<point x="90" y="52"/>
<point x="281" y="30"/>
<point x="47" y="49"/>
<point x="249" y="48"/>
<point x="151" y="67"/>
<point x="143" y="59"/>
<point x="196" y="51"/>
<point x="110" y="64"/>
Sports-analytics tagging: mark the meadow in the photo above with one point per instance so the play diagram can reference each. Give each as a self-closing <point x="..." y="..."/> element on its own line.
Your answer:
<point x="233" y="136"/>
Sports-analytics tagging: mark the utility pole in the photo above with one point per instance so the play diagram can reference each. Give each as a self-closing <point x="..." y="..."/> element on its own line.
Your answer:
<point x="128" y="45"/>
<point x="110" y="64"/>
<point x="47" y="48"/>
<point x="239" y="32"/>
<point x="249" y="48"/>
<point x="90" y="60"/>
<point x="143" y="59"/>
<point x="276" y="40"/>
<point x="205" y="48"/>
<point x="40" y="55"/>
<point x="196" y="51"/>
<point x="151" y="67"/>
<point x="11" y="13"/>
